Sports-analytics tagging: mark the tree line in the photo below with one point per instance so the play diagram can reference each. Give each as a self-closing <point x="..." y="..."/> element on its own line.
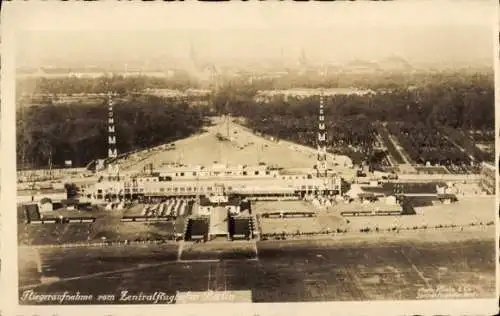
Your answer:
<point x="462" y="103"/>
<point x="51" y="134"/>
<point x="104" y="84"/>
<point x="376" y="80"/>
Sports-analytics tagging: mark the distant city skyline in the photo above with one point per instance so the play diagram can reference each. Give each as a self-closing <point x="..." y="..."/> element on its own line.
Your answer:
<point x="418" y="33"/>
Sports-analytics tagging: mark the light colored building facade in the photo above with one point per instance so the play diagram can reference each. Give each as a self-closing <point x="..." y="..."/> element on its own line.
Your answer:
<point x="252" y="182"/>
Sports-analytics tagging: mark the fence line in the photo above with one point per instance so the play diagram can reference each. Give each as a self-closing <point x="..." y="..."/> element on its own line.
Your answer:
<point x="263" y="236"/>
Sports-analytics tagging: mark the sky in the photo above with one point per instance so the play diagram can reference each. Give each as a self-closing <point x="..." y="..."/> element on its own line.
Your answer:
<point x="423" y="31"/>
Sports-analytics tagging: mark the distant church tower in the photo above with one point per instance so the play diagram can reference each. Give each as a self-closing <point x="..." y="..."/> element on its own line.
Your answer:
<point x="321" y="159"/>
<point x="112" y="151"/>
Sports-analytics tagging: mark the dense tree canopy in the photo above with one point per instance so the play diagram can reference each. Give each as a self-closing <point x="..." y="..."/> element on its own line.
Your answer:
<point x="432" y="115"/>
<point x="428" y="114"/>
<point x="375" y="80"/>
<point x="55" y="133"/>
<point x="104" y="84"/>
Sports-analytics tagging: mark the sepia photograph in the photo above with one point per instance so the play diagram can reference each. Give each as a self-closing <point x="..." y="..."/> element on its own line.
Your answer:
<point x="338" y="152"/>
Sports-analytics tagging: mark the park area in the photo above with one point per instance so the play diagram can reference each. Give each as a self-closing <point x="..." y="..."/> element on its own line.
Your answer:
<point x="218" y="250"/>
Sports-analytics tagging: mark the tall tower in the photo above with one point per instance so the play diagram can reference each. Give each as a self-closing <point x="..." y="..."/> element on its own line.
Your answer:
<point x="112" y="151"/>
<point x="321" y="158"/>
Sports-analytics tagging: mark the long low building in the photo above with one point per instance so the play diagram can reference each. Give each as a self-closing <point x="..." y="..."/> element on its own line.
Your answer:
<point x="261" y="183"/>
<point x="215" y="171"/>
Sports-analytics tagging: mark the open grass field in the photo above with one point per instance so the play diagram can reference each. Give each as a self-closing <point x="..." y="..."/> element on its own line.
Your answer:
<point x="302" y="224"/>
<point x="98" y="212"/>
<point x="42" y="234"/>
<point x="430" y="213"/>
<point x="46" y="234"/>
<point x="323" y="221"/>
<point x="260" y="207"/>
<point x="466" y="211"/>
<point x="286" y="271"/>
<point x="108" y="226"/>
<point x="243" y="148"/>
<point x="219" y="250"/>
<point x="53" y="262"/>
<point x="136" y="231"/>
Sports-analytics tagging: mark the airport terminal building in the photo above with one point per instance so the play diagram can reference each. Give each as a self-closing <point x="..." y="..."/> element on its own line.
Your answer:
<point x="257" y="182"/>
